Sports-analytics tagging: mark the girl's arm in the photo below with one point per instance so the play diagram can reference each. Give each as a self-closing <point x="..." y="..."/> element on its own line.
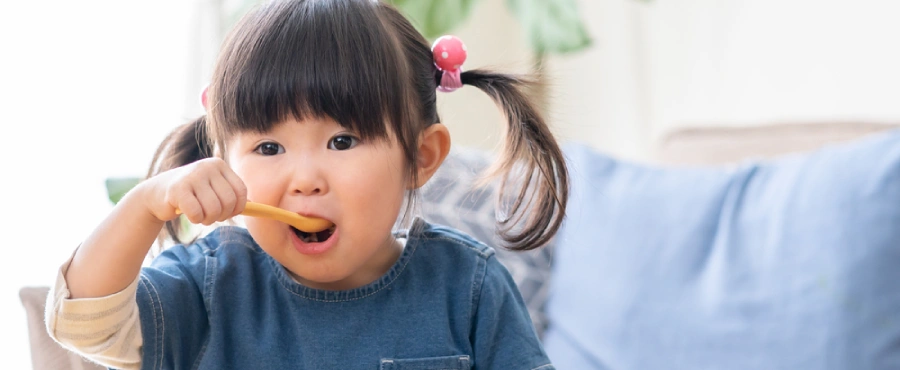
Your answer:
<point x="118" y="245"/>
<point x="105" y="330"/>
<point x="110" y="258"/>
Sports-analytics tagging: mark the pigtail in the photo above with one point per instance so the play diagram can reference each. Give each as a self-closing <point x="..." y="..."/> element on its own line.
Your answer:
<point x="186" y="144"/>
<point x="530" y="149"/>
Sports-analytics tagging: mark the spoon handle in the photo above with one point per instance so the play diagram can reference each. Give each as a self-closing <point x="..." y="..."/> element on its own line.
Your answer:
<point x="306" y="224"/>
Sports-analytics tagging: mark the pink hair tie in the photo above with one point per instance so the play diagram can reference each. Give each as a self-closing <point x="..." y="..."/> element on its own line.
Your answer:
<point x="449" y="53"/>
<point x="203" y="98"/>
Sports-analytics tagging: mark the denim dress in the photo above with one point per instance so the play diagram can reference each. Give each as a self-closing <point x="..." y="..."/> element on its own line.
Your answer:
<point x="223" y="303"/>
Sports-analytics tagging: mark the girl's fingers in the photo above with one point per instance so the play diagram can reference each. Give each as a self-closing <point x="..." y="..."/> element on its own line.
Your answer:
<point x="190" y="207"/>
<point x="209" y="200"/>
<point x="238" y="187"/>
<point x="207" y="192"/>
<point x="227" y="198"/>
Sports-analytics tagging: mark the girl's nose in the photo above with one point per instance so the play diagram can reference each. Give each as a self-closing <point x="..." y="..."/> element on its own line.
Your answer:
<point x="307" y="182"/>
<point x="308" y="191"/>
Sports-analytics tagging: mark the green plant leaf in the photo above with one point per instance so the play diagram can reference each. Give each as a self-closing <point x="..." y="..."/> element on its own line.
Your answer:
<point x="435" y="18"/>
<point x="187" y="228"/>
<point x="552" y="26"/>
<point x="116" y="187"/>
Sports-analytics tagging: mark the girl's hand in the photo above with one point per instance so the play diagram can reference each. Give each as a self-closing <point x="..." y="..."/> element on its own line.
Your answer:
<point x="205" y="191"/>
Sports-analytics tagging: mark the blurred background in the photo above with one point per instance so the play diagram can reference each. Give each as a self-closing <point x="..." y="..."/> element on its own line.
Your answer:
<point x="89" y="88"/>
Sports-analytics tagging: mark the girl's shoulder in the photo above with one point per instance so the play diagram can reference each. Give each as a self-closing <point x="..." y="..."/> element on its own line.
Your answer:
<point x="221" y="242"/>
<point x="428" y="234"/>
<point x="226" y="238"/>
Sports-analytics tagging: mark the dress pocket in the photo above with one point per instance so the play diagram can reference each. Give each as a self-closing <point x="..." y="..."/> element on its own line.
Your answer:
<point x="430" y="363"/>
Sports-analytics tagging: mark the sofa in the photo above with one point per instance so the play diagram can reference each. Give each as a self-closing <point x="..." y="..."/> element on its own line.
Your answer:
<point x="765" y="247"/>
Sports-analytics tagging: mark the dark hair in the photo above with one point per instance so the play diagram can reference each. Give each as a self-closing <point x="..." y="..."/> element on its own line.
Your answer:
<point x="361" y="63"/>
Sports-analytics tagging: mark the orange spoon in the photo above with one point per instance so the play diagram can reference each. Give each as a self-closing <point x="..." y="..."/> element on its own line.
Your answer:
<point x="307" y="224"/>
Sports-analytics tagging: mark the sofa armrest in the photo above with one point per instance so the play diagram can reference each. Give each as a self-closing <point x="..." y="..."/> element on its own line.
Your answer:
<point x="46" y="354"/>
<point x="728" y="144"/>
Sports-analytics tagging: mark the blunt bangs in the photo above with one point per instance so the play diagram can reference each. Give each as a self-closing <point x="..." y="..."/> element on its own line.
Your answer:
<point x="311" y="59"/>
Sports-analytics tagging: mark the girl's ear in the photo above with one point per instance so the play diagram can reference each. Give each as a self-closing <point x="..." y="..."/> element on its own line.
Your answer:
<point x="434" y="145"/>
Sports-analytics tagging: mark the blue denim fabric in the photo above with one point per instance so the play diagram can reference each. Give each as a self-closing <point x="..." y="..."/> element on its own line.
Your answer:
<point x="222" y="303"/>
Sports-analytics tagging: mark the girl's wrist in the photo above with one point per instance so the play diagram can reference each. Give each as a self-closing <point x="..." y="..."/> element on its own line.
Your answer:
<point x="138" y="198"/>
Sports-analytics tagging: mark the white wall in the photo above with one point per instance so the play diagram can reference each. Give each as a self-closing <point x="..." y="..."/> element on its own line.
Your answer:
<point x="749" y="62"/>
<point x="599" y="95"/>
<point x="87" y="90"/>
<point x="659" y="65"/>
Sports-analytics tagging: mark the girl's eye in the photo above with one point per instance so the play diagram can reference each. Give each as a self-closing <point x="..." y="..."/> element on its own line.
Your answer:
<point x="342" y="142"/>
<point x="269" y="149"/>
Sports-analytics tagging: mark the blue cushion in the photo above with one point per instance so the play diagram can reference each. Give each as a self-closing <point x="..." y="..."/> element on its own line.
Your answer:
<point x="791" y="263"/>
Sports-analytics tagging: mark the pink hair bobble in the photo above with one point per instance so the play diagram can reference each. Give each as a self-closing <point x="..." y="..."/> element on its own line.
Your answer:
<point x="203" y="97"/>
<point x="449" y="53"/>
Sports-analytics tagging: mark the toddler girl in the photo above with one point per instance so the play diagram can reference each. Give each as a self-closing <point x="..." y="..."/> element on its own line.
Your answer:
<point x="325" y="108"/>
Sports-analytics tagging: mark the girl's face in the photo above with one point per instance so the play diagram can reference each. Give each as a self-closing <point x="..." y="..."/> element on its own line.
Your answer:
<point x="317" y="168"/>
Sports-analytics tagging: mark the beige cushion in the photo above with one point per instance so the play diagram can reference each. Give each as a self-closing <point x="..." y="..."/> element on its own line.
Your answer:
<point x="719" y="145"/>
<point x="46" y="354"/>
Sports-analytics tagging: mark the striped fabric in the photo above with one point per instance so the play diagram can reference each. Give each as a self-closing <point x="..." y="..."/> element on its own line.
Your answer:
<point x="105" y="330"/>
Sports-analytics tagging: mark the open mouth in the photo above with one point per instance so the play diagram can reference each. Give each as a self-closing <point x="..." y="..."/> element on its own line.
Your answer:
<point x="316" y="237"/>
